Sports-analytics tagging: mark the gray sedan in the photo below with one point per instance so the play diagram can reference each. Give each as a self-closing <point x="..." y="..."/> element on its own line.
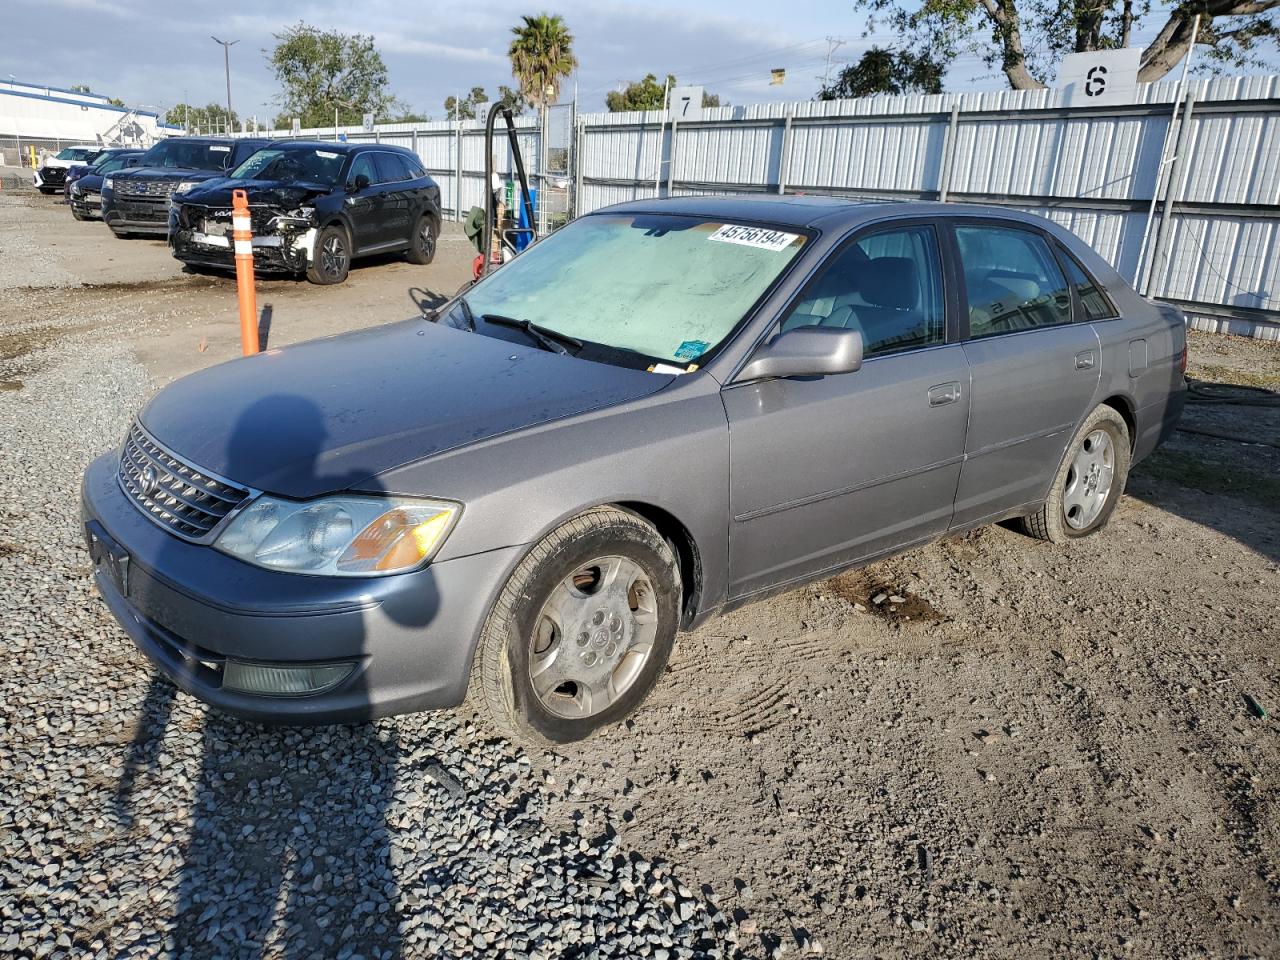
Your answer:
<point x="662" y="411"/>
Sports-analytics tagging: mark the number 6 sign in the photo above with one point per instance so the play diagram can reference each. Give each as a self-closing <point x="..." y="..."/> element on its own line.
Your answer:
<point x="1100" y="78"/>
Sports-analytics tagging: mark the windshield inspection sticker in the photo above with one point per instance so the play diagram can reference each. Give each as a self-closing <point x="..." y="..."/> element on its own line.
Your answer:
<point x="691" y="349"/>
<point x="760" y="237"/>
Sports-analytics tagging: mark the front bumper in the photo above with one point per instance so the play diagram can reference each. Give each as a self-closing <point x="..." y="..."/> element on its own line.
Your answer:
<point x="87" y="204"/>
<point x="129" y="215"/>
<point x="271" y="254"/>
<point x="189" y="608"/>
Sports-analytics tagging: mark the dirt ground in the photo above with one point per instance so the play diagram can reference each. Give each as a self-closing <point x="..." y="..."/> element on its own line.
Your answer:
<point x="1021" y="750"/>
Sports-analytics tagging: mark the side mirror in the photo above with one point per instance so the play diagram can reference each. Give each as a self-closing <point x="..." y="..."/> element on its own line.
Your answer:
<point x="361" y="182"/>
<point x="806" y="352"/>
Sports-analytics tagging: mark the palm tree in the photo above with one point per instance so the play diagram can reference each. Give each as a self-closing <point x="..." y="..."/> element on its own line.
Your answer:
<point x="541" y="55"/>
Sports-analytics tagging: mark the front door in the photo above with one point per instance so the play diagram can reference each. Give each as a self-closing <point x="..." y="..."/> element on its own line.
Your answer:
<point x="1034" y="371"/>
<point x="826" y="471"/>
<point x="365" y="205"/>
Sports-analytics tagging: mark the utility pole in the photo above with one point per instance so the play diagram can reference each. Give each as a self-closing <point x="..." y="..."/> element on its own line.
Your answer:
<point x="226" y="62"/>
<point x="832" y="44"/>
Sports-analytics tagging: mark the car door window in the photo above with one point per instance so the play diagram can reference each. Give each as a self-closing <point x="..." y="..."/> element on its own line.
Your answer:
<point x="1093" y="302"/>
<point x="363" y="166"/>
<point x="887" y="285"/>
<point x="1012" y="280"/>
<point x="391" y="168"/>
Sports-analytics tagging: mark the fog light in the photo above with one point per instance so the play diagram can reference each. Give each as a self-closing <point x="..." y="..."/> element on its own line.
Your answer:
<point x="277" y="680"/>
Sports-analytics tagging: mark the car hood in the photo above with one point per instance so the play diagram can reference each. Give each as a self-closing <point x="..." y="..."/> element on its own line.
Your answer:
<point x="166" y="173"/>
<point x="267" y="193"/>
<point x="330" y="414"/>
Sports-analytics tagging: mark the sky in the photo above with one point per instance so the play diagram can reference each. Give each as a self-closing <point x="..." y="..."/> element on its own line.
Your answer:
<point x="153" y="54"/>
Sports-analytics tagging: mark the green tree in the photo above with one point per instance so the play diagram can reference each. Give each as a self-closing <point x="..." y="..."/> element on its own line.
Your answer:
<point x="1027" y="38"/>
<point x="323" y="70"/>
<point x="206" y="119"/>
<point x="465" y="109"/>
<point x="541" y="56"/>
<point x="885" y="71"/>
<point x="649" y="94"/>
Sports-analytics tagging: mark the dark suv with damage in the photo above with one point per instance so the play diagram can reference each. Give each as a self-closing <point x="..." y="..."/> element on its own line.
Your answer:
<point x="314" y="207"/>
<point x="137" y="200"/>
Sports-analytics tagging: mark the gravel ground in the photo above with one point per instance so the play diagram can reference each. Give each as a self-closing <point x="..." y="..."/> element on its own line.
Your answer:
<point x="1037" y="751"/>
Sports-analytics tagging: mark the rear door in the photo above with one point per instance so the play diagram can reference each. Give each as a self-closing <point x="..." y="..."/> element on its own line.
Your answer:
<point x="826" y="471"/>
<point x="1035" y="372"/>
<point x="397" y="197"/>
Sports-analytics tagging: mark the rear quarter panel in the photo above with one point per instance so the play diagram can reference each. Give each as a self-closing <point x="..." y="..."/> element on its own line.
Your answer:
<point x="1141" y="352"/>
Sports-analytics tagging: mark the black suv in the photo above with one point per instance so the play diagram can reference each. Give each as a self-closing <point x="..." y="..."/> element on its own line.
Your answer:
<point x="314" y="207"/>
<point x="137" y="200"/>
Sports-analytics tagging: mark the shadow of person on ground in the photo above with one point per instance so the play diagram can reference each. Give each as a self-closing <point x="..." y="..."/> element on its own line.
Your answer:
<point x="288" y="847"/>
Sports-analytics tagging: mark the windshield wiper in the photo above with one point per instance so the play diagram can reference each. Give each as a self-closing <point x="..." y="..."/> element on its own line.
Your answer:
<point x="467" y="315"/>
<point x="547" y="339"/>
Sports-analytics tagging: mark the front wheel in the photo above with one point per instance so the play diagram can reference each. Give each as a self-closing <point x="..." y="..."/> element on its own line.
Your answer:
<point x="75" y="212"/>
<point x="1089" y="482"/>
<point x="422" y="245"/>
<point x="582" y="630"/>
<point x="332" y="258"/>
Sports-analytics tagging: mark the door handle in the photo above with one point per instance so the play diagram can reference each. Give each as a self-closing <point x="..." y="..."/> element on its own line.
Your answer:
<point x="1085" y="360"/>
<point x="944" y="393"/>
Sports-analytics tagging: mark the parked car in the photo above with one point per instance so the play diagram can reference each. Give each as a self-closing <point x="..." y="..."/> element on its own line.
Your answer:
<point x="314" y="208"/>
<point x="522" y="498"/>
<point x="137" y="201"/>
<point x="50" y="176"/>
<point x="84" y="193"/>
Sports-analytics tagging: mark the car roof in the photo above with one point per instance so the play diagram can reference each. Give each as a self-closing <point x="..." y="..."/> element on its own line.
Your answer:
<point x="340" y="146"/>
<point x="809" y="211"/>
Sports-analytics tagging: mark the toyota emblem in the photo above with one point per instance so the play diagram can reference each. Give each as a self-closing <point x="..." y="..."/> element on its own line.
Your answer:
<point x="150" y="483"/>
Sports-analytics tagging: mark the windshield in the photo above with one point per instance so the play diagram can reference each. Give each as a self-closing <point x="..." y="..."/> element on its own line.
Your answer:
<point x="77" y="153"/>
<point x="669" y="287"/>
<point x="290" y="164"/>
<point x="111" y="163"/>
<point x="178" y="152"/>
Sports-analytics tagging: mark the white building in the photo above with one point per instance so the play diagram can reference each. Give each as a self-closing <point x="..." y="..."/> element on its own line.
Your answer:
<point x="47" y="117"/>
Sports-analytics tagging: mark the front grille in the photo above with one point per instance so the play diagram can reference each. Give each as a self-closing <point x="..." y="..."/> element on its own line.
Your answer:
<point x="178" y="496"/>
<point x="53" y="175"/>
<point x="145" y="188"/>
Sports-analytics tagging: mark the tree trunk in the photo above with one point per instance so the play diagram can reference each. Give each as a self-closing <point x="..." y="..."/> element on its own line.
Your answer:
<point x="1174" y="38"/>
<point x="1004" y="15"/>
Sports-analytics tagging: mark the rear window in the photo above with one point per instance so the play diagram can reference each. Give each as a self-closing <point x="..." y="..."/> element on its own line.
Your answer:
<point x="1094" y="303"/>
<point x="391" y="167"/>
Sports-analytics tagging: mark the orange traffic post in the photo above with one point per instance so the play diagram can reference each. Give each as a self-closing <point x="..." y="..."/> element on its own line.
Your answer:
<point x="242" y="238"/>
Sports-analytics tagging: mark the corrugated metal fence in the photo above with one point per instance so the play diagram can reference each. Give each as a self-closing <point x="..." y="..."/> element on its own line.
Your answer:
<point x="1095" y="170"/>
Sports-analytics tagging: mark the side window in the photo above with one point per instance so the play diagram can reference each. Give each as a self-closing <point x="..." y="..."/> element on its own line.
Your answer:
<point x="391" y="168"/>
<point x="1095" y="303"/>
<point x="1013" y="281"/>
<point x="888" y="285"/>
<point x="363" y="166"/>
<point x="416" y="170"/>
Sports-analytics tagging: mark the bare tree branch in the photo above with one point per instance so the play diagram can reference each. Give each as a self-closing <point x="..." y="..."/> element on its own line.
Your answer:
<point x="1174" y="38"/>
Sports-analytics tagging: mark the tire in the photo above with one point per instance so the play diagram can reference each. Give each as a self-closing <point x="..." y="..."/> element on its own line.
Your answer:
<point x="1076" y="506"/>
<point x="423" y="243"/>
<point x="332" y="260"/>
<point x="604" y="648"/>
<point x="77" y="214"/>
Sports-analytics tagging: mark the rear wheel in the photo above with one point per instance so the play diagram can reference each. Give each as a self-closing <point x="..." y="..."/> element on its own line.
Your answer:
<point x="1089" y="482"/>
<point x="422" y="245"/>
<point x="582" y="630"/>
<point x="332" y="259"/>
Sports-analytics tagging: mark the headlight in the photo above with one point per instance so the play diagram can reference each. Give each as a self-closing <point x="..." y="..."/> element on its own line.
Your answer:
<point x="340" y="536"/>
<point x="108" y="184"/>
<point x="186" y="185"/>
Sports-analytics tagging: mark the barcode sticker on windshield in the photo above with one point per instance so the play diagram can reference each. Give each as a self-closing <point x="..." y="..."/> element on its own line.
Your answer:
<point x="327" y="154"/>
<point x="760" y="237"/>
<point x="220" y="149"/>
